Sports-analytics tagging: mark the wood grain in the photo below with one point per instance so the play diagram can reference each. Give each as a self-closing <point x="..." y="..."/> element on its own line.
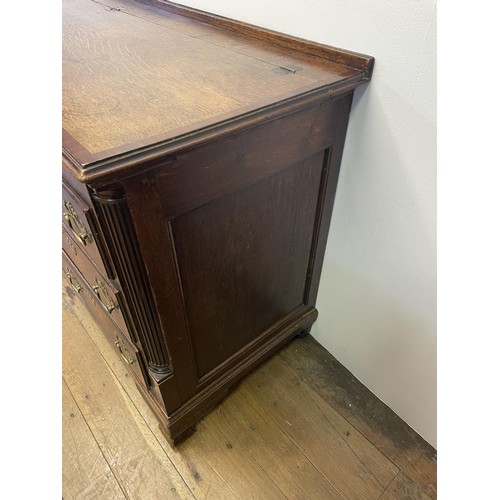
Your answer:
<point x="284" y="462"/>
<point x="403" y="488"/>
<point x="375" y="461"/>
<point x="127" y="78"/>
<point x="357" y="469"/>
<point x="207" y="475"/>
<point x="133" y="453"/>
<point x="236" y="285"/>
<point x="85" y="472"/>
<point x="315" y="367"/>
<point x="231" y="460"/>
<point x="199" y="475"/>
<point x="222" y="167"/>
<point x="250" y="40"/>
<point x="346" y="57"/>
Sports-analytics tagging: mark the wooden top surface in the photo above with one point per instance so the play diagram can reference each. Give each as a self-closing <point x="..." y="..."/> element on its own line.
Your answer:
<point x="135" y="75"/>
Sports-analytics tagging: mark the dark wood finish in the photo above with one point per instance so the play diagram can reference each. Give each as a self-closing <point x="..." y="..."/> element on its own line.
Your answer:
<point x="128" y="352"/>
<point x="331" y="173"/>
<point x="235" y="283"/>
<point x="105" y="291"/>
<point x="209" y="172"/>
<point x="203" y="154"/>
<point x="80" y="188"/>
<point x="79" y="220"/>
<point x="111" y="206"/>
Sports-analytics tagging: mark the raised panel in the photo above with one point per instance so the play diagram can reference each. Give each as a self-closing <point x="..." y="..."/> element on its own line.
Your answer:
<point x="243" y="260"/>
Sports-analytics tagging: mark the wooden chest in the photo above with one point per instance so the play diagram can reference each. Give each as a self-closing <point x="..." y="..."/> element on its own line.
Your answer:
<point x="200" y="162"/>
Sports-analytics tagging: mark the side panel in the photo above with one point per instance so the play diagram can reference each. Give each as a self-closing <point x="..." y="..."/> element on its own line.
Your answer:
<point x="232" y="236"/>
<point x="243" y="260"/>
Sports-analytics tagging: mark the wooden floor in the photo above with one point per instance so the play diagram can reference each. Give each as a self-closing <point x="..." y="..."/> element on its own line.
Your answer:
<point x="300" y="426"/>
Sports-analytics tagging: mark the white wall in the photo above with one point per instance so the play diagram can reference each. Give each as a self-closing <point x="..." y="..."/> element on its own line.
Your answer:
<point x="377" y="298"/>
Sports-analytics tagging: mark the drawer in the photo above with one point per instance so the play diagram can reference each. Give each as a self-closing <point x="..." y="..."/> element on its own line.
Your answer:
<point x="104" y="292"/>
<point x="127" y="351"/>
<point x="131" y="357"/>
<point x="80" y="222"/>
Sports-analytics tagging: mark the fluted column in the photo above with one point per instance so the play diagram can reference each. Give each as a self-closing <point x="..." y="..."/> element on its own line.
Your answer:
<point x="115" y="220"/>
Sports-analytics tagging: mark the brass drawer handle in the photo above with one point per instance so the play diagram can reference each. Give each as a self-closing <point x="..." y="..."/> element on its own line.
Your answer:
<point x="76" y="225"/>
<point x="127" y="357"/>
<point x="70" y="244"/>
<point x="72" y="281"/>
<point x="102" y="293"/>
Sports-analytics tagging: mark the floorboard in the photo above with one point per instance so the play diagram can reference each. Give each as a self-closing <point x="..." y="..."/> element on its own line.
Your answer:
<point x="291" y="405"/>
<point x="285" y="463"/>
<point x="137" y="460"/>
<point x="403" y="488"/>
<point x="319" y="370"/>
<point x="85" y="472"/>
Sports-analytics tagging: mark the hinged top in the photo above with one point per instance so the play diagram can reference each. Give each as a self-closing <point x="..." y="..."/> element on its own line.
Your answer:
<point x="142" y="80"/>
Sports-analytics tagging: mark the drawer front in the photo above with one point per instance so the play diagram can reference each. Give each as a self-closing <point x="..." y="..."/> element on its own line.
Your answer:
<point x="131" y="357"/>
<point x="124" y="348"/>
<point x="104" y="292"/>
<point x="78" y="219"/>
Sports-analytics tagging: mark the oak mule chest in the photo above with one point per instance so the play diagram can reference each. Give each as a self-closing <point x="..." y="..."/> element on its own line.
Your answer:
<point x="200" y="162"/>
